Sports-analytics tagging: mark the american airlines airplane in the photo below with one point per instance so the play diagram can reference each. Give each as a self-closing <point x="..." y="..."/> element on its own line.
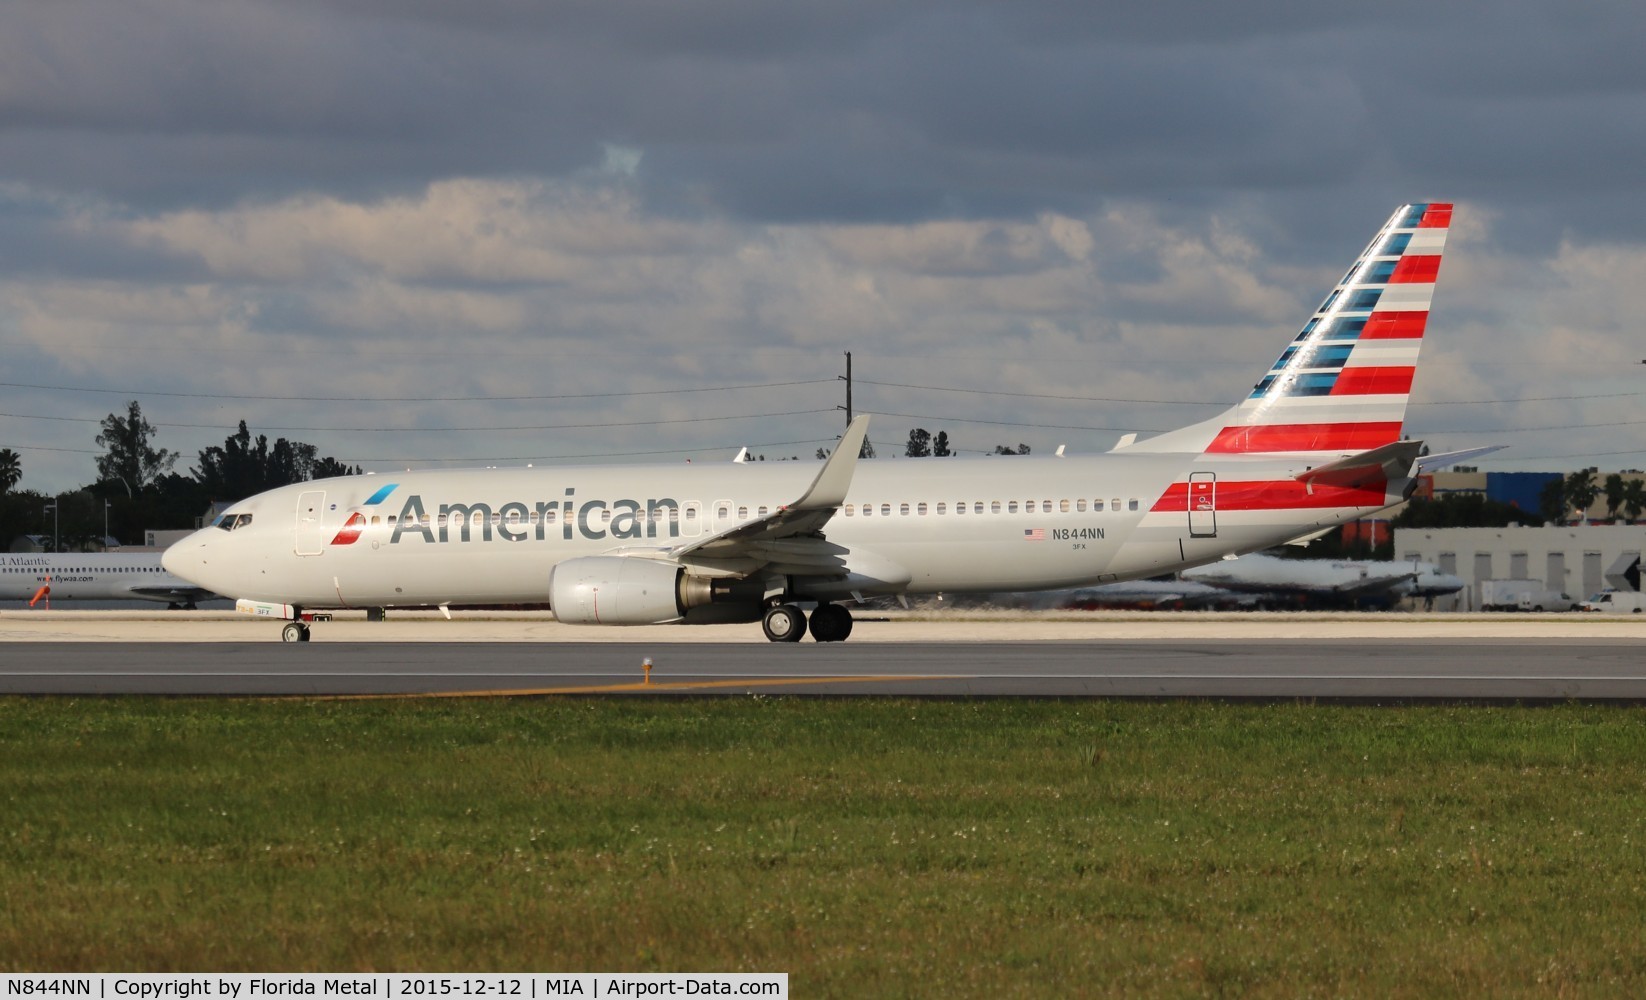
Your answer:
<point x="94" y="576"/>
<point x="1314" y="443"/>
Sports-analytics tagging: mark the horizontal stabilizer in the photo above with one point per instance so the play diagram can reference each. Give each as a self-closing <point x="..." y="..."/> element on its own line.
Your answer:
<point x="1429" y="463"/>
<point x="1391" y="461"/>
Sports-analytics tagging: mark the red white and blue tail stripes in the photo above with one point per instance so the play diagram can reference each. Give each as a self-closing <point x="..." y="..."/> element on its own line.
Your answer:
<point x="1341" y="386"/>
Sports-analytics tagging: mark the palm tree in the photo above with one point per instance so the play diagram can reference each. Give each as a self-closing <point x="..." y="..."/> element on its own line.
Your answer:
<point x="1614" y="495"/>
<point x="1634" y="499"/>
<point x="1580" y="493"/>
<point x="11" y="469"/>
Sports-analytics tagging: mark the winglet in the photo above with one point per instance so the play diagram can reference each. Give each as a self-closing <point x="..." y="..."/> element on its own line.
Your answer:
<point x="828" y="490"/>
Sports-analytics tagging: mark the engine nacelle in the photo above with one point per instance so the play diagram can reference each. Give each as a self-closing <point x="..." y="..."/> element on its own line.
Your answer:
<point x="612" y="590"/>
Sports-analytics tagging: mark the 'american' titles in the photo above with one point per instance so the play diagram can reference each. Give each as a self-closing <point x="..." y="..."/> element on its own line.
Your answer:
<point x="517" y="521"/>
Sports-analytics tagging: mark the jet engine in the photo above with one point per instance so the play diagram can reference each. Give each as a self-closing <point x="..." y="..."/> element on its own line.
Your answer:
<point x="612" y="590"/>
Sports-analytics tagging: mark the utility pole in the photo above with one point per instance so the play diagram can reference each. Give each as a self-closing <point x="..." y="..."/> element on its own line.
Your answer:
<point x="847" y="378"/>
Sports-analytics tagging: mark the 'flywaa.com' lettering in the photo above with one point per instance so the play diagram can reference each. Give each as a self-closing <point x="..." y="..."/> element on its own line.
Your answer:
<point x="517" y="522"/>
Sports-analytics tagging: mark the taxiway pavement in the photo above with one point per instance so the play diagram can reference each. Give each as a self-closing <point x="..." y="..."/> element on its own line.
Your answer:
<point x="1390" y="657"/>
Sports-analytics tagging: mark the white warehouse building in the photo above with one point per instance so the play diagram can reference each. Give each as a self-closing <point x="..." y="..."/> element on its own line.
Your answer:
<point x="1574" y="559"/>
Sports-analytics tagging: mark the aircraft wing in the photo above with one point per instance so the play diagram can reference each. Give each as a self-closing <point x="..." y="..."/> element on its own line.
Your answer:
<point x="774" y="538"/>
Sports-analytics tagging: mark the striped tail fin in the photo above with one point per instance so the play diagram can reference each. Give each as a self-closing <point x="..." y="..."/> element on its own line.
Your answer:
<point x="1341" y="387"/>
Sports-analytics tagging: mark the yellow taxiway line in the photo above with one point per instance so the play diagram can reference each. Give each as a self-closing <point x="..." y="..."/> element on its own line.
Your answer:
<point x="642" y="686"/>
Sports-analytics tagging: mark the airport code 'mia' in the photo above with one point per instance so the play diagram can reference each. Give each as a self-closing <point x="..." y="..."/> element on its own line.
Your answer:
<point x="517" y="521"/>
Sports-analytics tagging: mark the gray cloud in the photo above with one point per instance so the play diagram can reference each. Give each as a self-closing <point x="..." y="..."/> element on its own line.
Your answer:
<point x="374" y="197"/>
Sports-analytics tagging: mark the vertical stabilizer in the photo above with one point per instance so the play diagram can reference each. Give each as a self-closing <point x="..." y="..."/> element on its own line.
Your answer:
<point x="1341" y="386"/>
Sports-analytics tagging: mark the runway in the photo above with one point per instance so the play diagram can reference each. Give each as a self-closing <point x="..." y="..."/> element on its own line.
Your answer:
<point x="1351" y="669"/>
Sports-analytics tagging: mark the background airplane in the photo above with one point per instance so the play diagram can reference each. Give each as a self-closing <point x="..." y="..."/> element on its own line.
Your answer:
<point x="41" y="579"/>
<point x="1316" y="442"/>
<point x="1326" y="582"/>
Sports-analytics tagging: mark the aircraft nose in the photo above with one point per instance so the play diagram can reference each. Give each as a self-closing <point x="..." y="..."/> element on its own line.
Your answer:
<point x="186" y="558"/>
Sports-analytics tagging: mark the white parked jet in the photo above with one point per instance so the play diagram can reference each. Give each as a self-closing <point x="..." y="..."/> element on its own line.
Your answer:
<point x="1315" y="443"/>
<point x="1346" y="582"/>
<point x="93" y="576"/>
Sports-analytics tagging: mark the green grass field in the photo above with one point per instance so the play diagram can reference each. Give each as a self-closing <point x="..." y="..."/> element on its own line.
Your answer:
<point x="867" y="847"/>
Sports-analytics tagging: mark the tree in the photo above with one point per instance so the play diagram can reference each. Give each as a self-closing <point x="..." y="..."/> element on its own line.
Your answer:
<point x="1463" y="510"/>
<point x="920" y="444"/>
<point x="1551" y="503"/>
<point x="1634" y="499"/>
<point x="130" y="457"/>
<point x="940" y="445"/>
<point x="241" y="469"/>
<point x="11" y="469"/>
<point x="328" y="467"/>
<point x="1581" y="492"/>
<point x="1614" y="495"/>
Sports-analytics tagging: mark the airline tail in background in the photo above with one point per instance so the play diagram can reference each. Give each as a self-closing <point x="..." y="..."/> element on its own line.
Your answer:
<point x="1342" y="386"/>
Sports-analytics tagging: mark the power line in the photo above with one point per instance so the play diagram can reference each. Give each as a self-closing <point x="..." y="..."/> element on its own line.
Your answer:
<point x="431" y="430"/>
<point x="1008" y="423"/>
<point x="1037" y="395"/>
<point x="407" y="399"/>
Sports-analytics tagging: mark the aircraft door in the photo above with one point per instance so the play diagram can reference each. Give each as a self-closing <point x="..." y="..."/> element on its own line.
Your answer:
<point x="311" y="530"/>
<point x="1202" y="505"/>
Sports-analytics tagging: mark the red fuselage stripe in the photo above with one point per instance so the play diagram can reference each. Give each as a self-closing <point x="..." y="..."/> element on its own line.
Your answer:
<point x="1279" y="494"/>
<point x="1305" y="437"/>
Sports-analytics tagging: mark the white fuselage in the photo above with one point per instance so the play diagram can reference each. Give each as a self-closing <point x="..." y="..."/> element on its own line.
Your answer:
<point x="907" y="526"/>
<point x="93" y="576"/>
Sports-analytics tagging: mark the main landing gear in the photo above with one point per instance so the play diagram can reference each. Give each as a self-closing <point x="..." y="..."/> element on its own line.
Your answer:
<point x="787" y="623"/>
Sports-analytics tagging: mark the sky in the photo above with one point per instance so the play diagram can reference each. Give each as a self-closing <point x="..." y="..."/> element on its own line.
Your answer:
<point x="421" y="233"/>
